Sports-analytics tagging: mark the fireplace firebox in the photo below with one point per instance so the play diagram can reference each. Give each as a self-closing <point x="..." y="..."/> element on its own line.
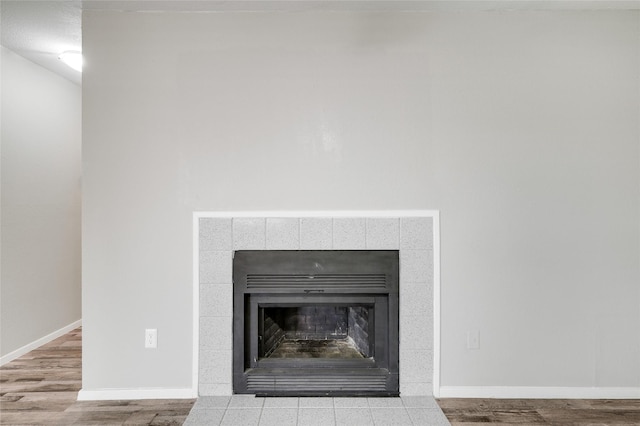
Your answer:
<point x="311" y="323"/>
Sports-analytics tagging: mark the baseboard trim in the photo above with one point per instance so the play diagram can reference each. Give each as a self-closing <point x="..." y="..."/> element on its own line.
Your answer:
<point x="37" y="343"/>
<point x="126" y="394"/>
<point x="532" y="392"/>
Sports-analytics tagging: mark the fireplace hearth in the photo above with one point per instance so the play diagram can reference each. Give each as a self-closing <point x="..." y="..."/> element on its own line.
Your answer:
<point x="316" y="322"/>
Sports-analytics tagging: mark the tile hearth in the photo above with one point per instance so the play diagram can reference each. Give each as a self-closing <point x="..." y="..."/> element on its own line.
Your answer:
<point x="247" y="410"/>
<point x="220" y="235"/>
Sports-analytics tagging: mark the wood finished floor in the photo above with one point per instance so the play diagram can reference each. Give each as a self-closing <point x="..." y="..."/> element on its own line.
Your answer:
<point x="40" y="388"/>
<point x="582" y="412"/>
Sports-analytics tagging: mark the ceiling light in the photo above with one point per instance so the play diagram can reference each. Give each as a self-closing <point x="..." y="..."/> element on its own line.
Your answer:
<point x="73" y="58"/>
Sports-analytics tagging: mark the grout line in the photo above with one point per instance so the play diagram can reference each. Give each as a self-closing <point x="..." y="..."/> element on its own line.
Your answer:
<point x="298" y="407"/>
<point x="335" y="414"/>
<point x="261" y="410"/>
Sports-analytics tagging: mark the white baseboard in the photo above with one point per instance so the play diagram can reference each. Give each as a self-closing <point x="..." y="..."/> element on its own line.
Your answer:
<point x="532" y="392"/>
<point x="145" y="393"/>
<point x="37" y="343"/>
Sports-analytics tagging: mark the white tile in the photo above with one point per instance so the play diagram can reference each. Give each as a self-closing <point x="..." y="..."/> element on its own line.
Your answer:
<point x="416" y="299"/>
<point x="384" y="402"/>
<point x="244" y="417"/>
<point x="346" y="402"/>
<point x="213" y="389"/>
<point x="316" y="417"/>
<point x="349" y="233"/>
<point x="209" y="402"/>
<point x="216" y="267"/>
<point x="215" y="234"/>
<point x="321" y="402"/>
<point x="415" y="389"/>
<point x="281" y="402"/>
<point x="416" y="266"/>
<point x="353" y="417"/>
<point x="216" y="333"/>
<point x="416" y="332"/>
<point x="316" y="233"/>
<point x="206" y="265"/>
<point x="383" y="233"/>
<point x="391" y="417"/>
<point x="279" y="417"/>
<point x="205" y="417"/>
<point x="215" y="366"/>
<point x="423" y="416"/>
<point x="416" y="233"/>
<point x="245" y="401"/>
<point x="216" y="300"/>
<point x="416" y="366"/>
<point x="283" y="233"/>
<point x="249" y="233"/>
<point x="421" y="401"/>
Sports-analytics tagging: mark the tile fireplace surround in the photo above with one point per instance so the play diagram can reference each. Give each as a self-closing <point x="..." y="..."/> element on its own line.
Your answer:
<point x="414" y="233"/>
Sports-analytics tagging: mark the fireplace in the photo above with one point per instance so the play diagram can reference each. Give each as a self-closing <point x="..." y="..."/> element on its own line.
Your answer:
<point x="219" y="235"/>
<point x="316" y="322"/>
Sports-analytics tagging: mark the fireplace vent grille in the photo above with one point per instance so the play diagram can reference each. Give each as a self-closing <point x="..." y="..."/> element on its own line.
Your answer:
<point x="324" y="281"/>
<point x="260" y="383"/>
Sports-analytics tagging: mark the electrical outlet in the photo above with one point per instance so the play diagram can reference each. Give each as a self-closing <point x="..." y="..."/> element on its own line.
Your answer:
<point x="473" y="339"/>
<point x="151" y="338"/>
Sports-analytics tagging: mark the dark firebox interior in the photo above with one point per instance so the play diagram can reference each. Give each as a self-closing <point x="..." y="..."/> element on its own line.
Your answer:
<point x="315" y="331"/>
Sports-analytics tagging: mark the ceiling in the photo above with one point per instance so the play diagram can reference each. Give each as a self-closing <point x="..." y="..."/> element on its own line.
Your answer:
<point x="41" y="30"/>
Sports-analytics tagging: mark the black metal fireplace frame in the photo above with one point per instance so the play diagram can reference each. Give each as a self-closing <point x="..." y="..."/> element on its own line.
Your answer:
<point x="316" y="277"/>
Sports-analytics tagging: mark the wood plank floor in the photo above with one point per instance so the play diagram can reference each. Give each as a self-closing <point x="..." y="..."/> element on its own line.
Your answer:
<point x="583" y="412"/>
<point x="41" y="387"/>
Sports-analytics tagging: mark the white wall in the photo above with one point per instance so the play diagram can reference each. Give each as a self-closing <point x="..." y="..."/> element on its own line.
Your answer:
<point x="41" y="167"/>
<point x="537" y="119"/>
<point x="520" y="127"/>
